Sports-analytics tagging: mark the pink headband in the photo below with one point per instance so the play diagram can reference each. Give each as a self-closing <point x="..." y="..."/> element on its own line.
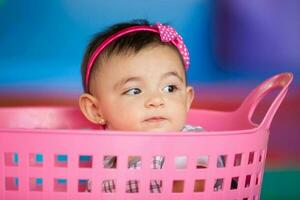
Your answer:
<point x="167" y="34"/>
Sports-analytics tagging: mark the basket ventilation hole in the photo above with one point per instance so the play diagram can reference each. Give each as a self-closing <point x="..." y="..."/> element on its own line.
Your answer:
<point x="11" y="159"/>
<point x="221" y="161"/>
<point x="237" y="159"/>
<point x="36" y="184"/>
<point x="110" y="162"/>
<point x="202" y="162"/>
<point x="84" y="185"/>
<point x="234" y="183"/>
<point x="61" y="160"/>
<point x="257" y="178"/>
<point x="85" y="161"/>
<point x="261" y="155"/>
<point x="218" y="186"/>
<point x="251" y="158"/>
<point x="155" y="186"/>
<point x="178" y="186"/>
<point x="132" y="186"/>
<point x="157" y="162"/>
<point x="248" y="181"/>
<point x="134" y="162"/>
<point x="108" y="186"/>
<point x="199" y="186"/>
<point x="12" y="183"/>
<point x="36" y="160"/>
<point x="60" y="185"/>
<point x="180" y="162"/>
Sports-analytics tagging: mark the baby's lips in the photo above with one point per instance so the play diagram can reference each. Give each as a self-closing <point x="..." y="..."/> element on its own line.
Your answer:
<point x="155" y="118"/>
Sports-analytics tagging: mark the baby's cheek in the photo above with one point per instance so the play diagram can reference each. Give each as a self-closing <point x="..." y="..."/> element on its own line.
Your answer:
<point x="180" y="112"/>
<point x="128" y="114"/>
<point x="179" y="104"/>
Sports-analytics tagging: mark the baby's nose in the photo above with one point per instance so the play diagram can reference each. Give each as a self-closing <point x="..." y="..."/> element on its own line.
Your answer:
<point x="155" y="101"/>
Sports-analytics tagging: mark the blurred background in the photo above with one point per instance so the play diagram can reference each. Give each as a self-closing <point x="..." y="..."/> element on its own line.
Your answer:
<point x="234" y="46"/>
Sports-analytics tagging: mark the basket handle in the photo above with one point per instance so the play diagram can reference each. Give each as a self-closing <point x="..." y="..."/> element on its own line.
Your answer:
<point x="249" y="105"/>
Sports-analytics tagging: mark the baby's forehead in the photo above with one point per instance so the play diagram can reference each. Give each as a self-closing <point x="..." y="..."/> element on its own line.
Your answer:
<point x="132" y="54"/>
<point x="162" y="56"/>
<point x="156" y="60"/>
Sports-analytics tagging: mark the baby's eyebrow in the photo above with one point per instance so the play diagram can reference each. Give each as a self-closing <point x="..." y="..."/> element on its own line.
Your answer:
<point x="126" y="80"/>
<point x="172" y="73"/>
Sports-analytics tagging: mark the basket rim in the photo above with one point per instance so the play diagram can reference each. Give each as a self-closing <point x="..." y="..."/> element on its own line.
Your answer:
<point x="255" y="128"/>
<point x="128" y="133"/>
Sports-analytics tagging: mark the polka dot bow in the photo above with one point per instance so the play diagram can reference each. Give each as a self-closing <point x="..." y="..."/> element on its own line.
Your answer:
<point x="169" y="34"/>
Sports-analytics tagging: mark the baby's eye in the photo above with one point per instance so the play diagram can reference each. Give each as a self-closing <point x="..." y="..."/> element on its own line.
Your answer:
<point x="170" y="88"/>
<point x="133" y="91"/>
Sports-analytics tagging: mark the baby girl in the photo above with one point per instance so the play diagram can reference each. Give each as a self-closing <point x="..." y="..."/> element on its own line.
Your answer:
<point x="134" y="78"/>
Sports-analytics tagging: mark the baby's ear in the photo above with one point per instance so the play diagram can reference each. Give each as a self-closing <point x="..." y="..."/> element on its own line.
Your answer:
<point x="89" y="107"/>
<point x="189" y="96"/>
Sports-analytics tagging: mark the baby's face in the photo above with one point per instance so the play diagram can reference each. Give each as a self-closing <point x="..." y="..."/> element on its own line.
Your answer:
<point x="143" y="92"/>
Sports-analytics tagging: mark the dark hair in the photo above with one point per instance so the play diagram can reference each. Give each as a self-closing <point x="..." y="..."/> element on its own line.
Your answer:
<point x="129" y="43"/>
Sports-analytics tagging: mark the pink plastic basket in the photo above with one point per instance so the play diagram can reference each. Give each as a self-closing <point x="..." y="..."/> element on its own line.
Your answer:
<point x="53" y="153"/>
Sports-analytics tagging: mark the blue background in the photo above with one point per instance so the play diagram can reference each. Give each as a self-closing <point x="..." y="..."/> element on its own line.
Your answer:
<point x="42" y="42"/>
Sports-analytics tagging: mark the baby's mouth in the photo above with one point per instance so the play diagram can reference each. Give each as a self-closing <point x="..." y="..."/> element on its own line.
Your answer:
<point x="155" y="119"/>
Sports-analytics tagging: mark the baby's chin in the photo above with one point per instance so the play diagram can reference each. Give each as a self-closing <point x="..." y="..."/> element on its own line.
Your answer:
<point x="155" y="127"/>
<point x="160" y="129"/>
